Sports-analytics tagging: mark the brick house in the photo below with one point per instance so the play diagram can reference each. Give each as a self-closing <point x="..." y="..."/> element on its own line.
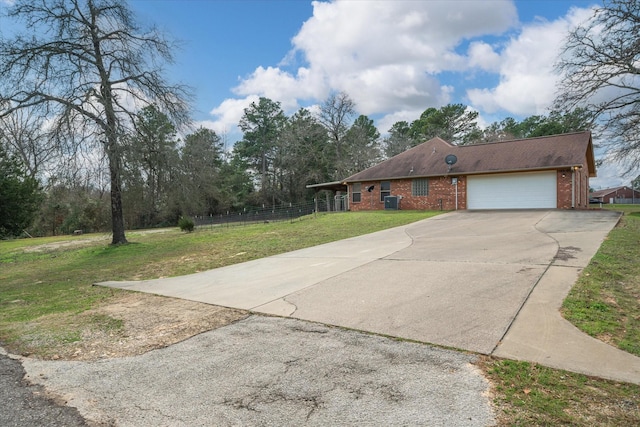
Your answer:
<point x="544" y="172"/>
<point x="614" y="195"/>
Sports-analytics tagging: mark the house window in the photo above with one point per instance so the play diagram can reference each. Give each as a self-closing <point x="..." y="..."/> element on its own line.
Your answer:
<point x="356" y="193"/>
<point x="420" y="187"/>
<point x="385" y="189"/>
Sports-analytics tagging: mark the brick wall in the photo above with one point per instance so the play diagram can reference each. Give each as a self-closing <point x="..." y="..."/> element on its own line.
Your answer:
<point x="441" y="195"/>
<point x="580" y="180"/>
<point x="564" y="189"/>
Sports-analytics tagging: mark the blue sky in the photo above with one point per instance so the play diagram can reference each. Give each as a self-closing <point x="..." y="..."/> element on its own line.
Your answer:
<point x="226" y="41"/>
<point x="394" y="58"/>
<point x="236" y="50"/>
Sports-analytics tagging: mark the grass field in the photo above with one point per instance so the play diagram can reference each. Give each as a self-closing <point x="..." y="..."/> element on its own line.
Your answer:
<point x="40" y="278"/>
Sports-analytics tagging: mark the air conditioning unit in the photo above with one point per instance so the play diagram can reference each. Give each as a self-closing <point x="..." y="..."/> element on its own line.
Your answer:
<point x="391" y="203"/>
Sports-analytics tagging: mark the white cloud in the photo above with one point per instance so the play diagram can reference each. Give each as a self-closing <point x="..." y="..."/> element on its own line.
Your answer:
<point x="391" y="88"/>
<point x="228" y="115"/>
<point x="483" y="56"/>
<point x="385" y="54"/>
<point x="281" y="86"/>
<point x="348" y="36"/>
<point x="527" y="78"/>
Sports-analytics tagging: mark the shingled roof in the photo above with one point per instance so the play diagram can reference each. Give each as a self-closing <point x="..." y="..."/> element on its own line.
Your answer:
<point x="607" y="191"/>
<point x="532" y="154"/>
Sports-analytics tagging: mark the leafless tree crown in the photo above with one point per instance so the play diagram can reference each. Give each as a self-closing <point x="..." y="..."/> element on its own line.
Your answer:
<point x="600" y="67"/>
<point x="88" y="67"/>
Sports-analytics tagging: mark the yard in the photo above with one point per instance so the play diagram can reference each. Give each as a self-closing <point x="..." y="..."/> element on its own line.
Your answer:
<point x="49" y="309"/>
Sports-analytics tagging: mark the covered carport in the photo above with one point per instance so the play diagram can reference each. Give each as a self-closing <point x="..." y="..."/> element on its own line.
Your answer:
<point x="336" y="195"/>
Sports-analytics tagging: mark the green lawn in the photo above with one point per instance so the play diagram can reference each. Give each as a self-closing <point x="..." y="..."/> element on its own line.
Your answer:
<point x="527" y="394"/>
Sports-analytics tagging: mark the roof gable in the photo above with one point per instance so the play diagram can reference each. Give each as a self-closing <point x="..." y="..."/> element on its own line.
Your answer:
<point x="427" y="159"/>
<point x="607" y="191"/>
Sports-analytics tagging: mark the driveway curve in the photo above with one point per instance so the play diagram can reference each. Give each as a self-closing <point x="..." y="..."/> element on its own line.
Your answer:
<point x="459" y="280"/>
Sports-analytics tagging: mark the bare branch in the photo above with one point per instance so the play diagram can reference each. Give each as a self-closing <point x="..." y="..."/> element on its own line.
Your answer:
<point x="600" y="66"/>
<point x="89" y="67"/>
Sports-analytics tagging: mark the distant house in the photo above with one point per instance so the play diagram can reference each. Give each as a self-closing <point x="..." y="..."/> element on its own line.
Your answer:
<point x="545" y="172"/>
<point x="616" y="195"/>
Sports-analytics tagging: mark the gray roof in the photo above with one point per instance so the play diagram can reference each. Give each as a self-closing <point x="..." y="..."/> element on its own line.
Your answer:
<point x="428" y="159"/>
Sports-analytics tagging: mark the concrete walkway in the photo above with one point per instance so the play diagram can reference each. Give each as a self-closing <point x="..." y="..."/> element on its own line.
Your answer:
<point x="489" y="282"/>
<point x="540" y="334"/>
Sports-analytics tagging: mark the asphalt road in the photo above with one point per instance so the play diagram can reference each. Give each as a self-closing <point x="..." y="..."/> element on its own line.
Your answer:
<point x="24" y="404"/>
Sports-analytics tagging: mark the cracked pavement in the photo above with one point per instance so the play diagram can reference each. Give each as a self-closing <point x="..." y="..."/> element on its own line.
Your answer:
<point x="265" y="371"/>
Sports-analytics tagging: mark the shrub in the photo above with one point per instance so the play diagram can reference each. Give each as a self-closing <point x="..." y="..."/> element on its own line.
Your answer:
<point x="186" y="224"/>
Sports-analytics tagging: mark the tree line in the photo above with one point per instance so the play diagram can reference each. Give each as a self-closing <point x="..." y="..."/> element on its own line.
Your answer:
<point x="92" y="137"/>
<point x="165" y="176"/>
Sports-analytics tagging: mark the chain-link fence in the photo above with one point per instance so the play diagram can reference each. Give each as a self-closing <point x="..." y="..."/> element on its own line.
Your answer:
<point x="285" y="212"/>
<point x="614" y="201"/>
<point x="621" y="201"/>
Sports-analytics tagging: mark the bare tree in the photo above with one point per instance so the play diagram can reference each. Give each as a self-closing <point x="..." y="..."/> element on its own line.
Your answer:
<point x="26" y="137"/>
<point x="335" y="115"/>
<point x="89" y="67"/>
<point x="601" y="73"/>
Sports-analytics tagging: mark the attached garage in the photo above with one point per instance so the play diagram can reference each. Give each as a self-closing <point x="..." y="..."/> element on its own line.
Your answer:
<point x="546" y="172"/>
<point x="513" y="191"/>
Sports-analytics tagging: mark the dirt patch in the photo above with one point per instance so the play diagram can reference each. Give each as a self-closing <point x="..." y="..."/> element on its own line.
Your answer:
<point x="88" y="240"/>
<point x="46" y="247"/>
<point x="128" y="325"/>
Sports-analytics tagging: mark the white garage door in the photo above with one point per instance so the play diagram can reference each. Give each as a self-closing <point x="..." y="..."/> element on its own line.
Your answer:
<point x="512" y="191"/>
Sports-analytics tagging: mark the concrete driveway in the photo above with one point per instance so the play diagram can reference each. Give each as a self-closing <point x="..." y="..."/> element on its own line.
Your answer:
<point x="456" y="280"/>
<point x="490" y="282"/>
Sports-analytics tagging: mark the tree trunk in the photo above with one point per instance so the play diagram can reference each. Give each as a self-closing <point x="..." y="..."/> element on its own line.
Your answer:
<point x="117" y="217"/>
